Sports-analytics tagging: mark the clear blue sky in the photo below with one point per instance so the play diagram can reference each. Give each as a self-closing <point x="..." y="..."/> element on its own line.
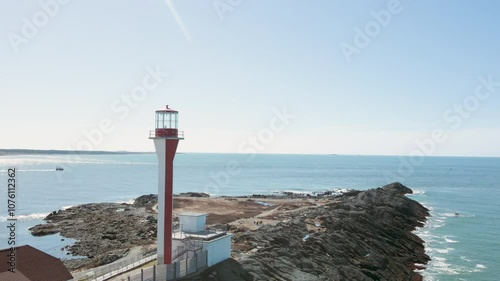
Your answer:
<point x="227" y="75"/>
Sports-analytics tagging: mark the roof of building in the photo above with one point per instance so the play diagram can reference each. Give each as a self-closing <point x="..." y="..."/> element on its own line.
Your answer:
<point x="32" y="265"/>
<point x="9" y="276"/>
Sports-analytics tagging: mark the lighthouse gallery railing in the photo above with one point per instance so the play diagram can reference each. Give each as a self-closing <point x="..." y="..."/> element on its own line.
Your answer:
<point x="152" y="134"/>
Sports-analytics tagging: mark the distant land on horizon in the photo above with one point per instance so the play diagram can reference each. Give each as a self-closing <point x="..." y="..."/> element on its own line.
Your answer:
<point x="5" y="152"/>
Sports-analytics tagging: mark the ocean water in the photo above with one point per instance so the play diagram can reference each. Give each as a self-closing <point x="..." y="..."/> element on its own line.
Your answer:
<point x="463" y="247"/>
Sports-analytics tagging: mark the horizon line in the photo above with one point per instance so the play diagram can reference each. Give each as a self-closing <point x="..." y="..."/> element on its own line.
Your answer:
<point x="27" y="151"/>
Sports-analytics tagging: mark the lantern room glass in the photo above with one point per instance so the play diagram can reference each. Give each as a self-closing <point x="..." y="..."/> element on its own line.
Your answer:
<point x="166" y="120"/>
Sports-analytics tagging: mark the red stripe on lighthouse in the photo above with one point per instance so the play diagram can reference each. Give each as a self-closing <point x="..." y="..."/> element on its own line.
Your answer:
<point x="170" y="149"/>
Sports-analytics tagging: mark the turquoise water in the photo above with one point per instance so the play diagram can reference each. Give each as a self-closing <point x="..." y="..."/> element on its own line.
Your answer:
<point x="462" y="248"/>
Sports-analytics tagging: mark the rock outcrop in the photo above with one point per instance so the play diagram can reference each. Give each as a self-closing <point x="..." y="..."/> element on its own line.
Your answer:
<point x="104" y="231"/>
<point x="193" y="194"/>
<point x="361" y="236"/>
<point x="146" y="201"/>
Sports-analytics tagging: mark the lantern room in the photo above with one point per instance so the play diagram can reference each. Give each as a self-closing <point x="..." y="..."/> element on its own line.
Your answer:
<point x="166" y="125"/>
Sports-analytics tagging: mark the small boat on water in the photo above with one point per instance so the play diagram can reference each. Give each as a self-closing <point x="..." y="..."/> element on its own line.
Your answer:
<point x="59" y="169"/>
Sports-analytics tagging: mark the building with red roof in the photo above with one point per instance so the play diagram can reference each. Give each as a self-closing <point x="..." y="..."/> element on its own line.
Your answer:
<point x="31" y="265"/>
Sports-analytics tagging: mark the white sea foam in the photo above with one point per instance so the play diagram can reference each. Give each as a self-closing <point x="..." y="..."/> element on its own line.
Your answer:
<point x="38" y="170"/>
<point x="448" y="240"/>
<point x="107" y="162"/>
<point x="434" y="222"/>
<point x="440" y="262"/>
<point x="444" y="251"/>
<point x="480" y="266"/>
<point x="341" y="190"/>
<point x="440" y="267"/>
<point x="67" y="207"/>
<point x="457" y="214"/>
<point x="292" y="191"/>
<point x="130" y="201"/>
<point x="418" y="192"/>
<point x="418" y="270"/>
<point x="428" y="277"/>
<point x="465" y="258"/>
<point x="421" y="266"/>
<point x="34" y="216"/>
<point x="436" y="225"/>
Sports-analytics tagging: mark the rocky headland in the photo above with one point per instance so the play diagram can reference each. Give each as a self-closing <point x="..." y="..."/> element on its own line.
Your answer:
<point x="356" y="235"/>
<point x="363" y="235"/>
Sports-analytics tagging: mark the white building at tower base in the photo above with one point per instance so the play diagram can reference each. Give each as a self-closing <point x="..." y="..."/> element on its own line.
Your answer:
<point x="192" y="238"/>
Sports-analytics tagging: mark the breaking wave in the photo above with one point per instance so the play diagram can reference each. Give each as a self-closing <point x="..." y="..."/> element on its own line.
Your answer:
<point x="34" y="216"/>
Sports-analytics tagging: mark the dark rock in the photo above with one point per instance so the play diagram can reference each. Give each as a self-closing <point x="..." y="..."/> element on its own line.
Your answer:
<point x="368" y="236"/>
<point x="398" y="187"/>
<point x="193" y="194"/>
<point x="221" y="227"/>
<point x="74" y="264"/>
<point x="145" y="200"/>
<point x="228" y="270"/>
<point x="44" y="229"/>
<point x="100" y="229"/>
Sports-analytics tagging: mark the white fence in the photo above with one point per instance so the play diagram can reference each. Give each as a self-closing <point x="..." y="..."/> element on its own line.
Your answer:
<point x="107" y="271"/>
<point x="168" y="272"/>
<point x="165" y="272"/>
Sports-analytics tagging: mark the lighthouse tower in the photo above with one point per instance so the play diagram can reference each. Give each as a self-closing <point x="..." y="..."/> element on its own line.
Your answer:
<point x="166" y="136"/>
